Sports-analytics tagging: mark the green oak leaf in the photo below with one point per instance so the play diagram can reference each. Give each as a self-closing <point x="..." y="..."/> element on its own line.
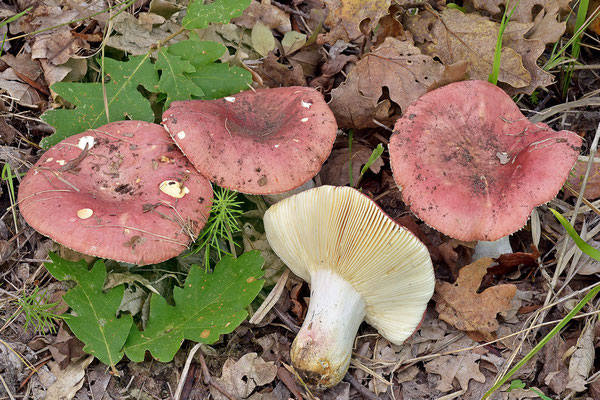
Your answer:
<point x="199" y="15"/>
<point x="215" y="79"/>
<point x="122" y="96"/>
<point x="208" y="305"/>
<point x="173" y="79"/>
<point x="94" y="319"/>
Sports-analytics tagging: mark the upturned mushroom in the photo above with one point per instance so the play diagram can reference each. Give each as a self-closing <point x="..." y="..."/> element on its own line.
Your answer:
<point x="263" y="142"/>
<point x="472" y="166"/>
<point x="360" y="264"/>
<point x="121" y="191"/>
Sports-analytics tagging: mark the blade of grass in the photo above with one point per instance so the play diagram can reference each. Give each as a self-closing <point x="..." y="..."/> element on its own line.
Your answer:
<point x="493" y="77"/>
<point x="576" y="45"/>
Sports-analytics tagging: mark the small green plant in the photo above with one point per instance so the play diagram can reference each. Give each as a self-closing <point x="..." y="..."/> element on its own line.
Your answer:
<point x="377" y="152"/>
<point x="38" y="312"/>
<point x="221" y="225"/>
<point x="519" y="384"/>
<point x="493" y="77"/>
<point x="590" y="251"/>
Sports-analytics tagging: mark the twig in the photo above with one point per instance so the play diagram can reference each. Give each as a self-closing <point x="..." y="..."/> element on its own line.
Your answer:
<point x="186" y="369"/>
<point x="361" y="389"/>
<point x="271" y="299"/>
<point x="286" y="320"/>
<point x="6" y="388"/>
<point x="289" y="9"/>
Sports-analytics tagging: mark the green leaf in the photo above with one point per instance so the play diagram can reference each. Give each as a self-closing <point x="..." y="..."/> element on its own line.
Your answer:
<point x="218" y="80"/>
<point x="215" y="79"/>
<point x="173" y="79"/>
<point x="199" y="15"/>
<point x="207" y="306"/>
<point x="516" y="384"/>
<point x="94" y="320"/>
<point x="123" y="98"/>
<point x="586" y="248"/>
<point x="199" y="53"/>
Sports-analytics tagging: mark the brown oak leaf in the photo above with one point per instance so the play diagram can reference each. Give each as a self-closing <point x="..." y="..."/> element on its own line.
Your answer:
<point x="398" y="66"/>
<point x="453" y="36"/>
<point x="351" y="19"/>
<point x="241" y="377"/>
<point x="546" y="25"/>
<point x="463" y="367"/>
<point x="460" y="305"/>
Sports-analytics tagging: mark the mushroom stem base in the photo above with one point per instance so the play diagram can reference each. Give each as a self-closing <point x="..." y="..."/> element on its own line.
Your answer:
<point x="322" y="349"/>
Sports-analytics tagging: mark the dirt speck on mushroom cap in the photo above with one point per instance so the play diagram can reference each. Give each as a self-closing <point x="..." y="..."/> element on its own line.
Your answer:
<point x="117" y="182"/>
<point x="260" y="142"/>
<point x="472" y="166"/>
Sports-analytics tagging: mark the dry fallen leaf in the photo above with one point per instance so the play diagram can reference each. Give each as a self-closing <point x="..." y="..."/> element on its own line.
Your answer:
<point x="582" y="359"/>
<point x="266" y="13"/>
<point x="337" y="170"/>
<point x="350" y="19"/>
<point x="65" y="347"/>
<point x="460" y="305"/>
<point x="242" y="377"/>
<point x="58" y="46"/>
<point x="401" y="68"/>
<point x="454" y="36"/>
<point x="20" y="92"/>
<point x="463" y="367"/>
<point x="68" y="380"/>
<point x="133" y="38"/>
<point x="546" y="26"/>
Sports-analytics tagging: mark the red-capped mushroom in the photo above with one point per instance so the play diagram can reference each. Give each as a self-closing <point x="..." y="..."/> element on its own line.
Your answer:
<point x="121" y="191"/>
<point x="266" y="141"/>
<point x="472" y="166"/>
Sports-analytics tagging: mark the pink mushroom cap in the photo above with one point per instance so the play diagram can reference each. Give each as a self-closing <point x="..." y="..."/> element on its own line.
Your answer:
<point x="121" y="191"/>
<point x="472" y="166"/>
<point x="266" y="141"/>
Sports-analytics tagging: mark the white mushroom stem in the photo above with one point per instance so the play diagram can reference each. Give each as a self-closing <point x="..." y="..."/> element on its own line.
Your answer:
<point x="322" y="349"/>
<point x="492" y="249"/>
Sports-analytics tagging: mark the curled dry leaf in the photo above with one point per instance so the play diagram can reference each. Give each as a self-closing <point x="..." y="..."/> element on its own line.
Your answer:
<point x="455" y="301"/>
<point x="241" y="377"/>
<point x="454" y="36"/>
<point x="351" y="19"/>
<point x="397" y="65"/>
<point x="546" y="25"/>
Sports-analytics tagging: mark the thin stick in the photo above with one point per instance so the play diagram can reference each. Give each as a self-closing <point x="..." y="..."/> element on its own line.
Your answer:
<point x="271" y="299"/>
<point x="186" y="370"/>
<point x="366" y="393"/>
